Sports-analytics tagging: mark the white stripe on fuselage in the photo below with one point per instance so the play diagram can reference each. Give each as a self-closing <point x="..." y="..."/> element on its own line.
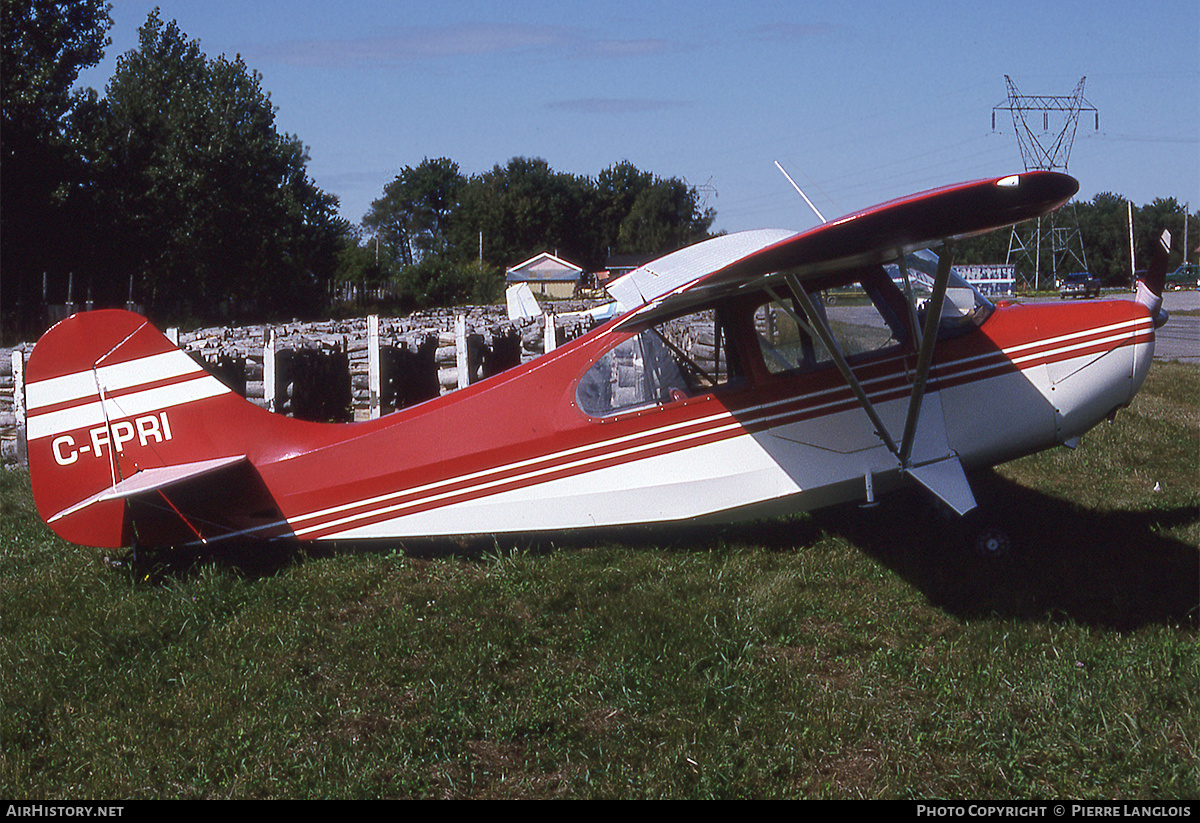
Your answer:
<point x="122" y="398"/>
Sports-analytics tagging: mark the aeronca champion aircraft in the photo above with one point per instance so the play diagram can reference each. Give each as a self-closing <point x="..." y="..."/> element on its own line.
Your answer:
<point x="749" y="375"/>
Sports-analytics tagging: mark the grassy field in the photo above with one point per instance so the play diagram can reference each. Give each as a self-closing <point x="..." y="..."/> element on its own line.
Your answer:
<point x="857" y="653"/>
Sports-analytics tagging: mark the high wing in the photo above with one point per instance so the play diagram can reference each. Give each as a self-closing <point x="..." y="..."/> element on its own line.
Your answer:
<point x="678" y="269"/>
<point x="880" y="234"/>
<point x="765" y="259"/>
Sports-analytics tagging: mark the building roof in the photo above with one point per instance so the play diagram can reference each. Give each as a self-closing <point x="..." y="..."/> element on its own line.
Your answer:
<point x="544" y="267"/>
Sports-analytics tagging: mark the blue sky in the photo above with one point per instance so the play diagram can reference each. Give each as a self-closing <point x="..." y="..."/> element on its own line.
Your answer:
<point x="859" y="101"/>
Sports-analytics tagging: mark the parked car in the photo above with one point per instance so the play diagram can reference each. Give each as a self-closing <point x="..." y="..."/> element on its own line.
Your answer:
<point x="1186" y="276"/>
<point x="1079" y="284"/>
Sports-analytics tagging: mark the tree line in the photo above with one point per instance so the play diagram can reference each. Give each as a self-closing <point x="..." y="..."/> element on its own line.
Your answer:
<point x="442" y="235"/>
<point x="174" y="190"/>
<point x="1093" y="235"/>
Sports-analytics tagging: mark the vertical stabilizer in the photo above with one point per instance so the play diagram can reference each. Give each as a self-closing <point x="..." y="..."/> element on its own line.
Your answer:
<point x="115" y="410"/>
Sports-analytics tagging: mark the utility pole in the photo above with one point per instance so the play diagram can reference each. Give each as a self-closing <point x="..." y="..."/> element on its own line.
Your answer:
<point x="1186" y="215"/>
<point x="1046" y="148"/>
<point x="1132" y="259"/>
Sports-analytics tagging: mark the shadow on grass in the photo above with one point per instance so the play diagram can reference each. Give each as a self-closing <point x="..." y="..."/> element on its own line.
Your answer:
<point x="247" y="558"/>
<point x="1112" y="569"/>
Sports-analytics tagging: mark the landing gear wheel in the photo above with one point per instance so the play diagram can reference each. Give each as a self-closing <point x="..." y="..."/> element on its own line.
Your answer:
<point x="985" y="537"/>
<point x="991" y="543"/>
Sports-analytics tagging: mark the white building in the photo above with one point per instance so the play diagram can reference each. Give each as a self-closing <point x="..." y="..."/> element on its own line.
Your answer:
<point x="547" y="276"/>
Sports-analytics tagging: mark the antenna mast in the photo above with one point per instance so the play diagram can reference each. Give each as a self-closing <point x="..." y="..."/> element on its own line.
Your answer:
<point x="801" y="193"/>
<point x="1046" y="149"/>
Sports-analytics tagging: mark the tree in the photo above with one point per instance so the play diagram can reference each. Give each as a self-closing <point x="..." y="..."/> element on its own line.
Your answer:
<point x="413" y="215"/>
<point x="665" y="216"/>
<point x="445" y="235"/>
<point x="617" y="190"/>
<point x="521" y="209"/>
<point x="46" y="43"/>
<point x="442" y="281"/>
<point x="525" y="207"/>
<point x="1104" y="233"/>
<point x="200" y="203"/>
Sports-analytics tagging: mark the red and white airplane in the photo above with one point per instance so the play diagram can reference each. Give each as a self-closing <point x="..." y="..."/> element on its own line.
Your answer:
<point x="750" y="375"/>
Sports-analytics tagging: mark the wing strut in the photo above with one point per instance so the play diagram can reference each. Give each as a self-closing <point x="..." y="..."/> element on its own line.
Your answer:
<point x="933" y="315"/>
<point x="821" y="326"/>
<point x="944" y="477"/>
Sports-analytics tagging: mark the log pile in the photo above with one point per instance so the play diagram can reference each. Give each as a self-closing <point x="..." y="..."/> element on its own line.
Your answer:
<point x="419" y="355"/>
<point x="322" y="370"/>
<point x="10" y="445"/>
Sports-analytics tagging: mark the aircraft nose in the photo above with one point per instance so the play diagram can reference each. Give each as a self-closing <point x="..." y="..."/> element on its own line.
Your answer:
<point x="1103" y="374"/>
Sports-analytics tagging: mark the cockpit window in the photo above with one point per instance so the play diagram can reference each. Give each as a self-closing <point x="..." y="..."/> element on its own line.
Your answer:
<point x="862" y="319"/>
<point x="965" y="306"/>
<point x="674" y="360"/>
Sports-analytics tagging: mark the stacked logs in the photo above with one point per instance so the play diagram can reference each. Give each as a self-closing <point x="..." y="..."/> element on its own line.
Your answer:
<point x="327" y="370"/>
<point x="418" y="358"/>
<point x="12" y="415"/>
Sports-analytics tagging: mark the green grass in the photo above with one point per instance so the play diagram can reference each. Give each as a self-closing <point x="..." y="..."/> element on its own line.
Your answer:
<point x="849" y="654"/>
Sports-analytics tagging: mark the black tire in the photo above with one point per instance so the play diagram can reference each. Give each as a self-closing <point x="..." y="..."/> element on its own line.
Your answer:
<point x="992" y="543"/>
<point x="985" y="537"/>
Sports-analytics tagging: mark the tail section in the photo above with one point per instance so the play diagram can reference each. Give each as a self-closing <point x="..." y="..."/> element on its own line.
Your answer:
<point x="122" y="428"/>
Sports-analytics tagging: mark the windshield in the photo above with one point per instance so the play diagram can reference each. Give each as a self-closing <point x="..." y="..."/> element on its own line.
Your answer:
<point x="965" y="306"/>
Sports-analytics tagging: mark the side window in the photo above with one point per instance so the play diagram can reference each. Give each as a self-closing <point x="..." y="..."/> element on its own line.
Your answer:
<point x="676" y="359"/>
<point x="861" y="320"/>
<point x="965" y="307"/>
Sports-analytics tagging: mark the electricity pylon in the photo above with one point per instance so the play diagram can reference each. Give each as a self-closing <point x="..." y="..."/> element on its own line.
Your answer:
<point x="1046" y="149"/>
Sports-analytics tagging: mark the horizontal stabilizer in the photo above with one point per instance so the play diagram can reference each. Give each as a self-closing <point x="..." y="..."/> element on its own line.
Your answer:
<point x="150" y="480"/>
<point x="947" y="480"/>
